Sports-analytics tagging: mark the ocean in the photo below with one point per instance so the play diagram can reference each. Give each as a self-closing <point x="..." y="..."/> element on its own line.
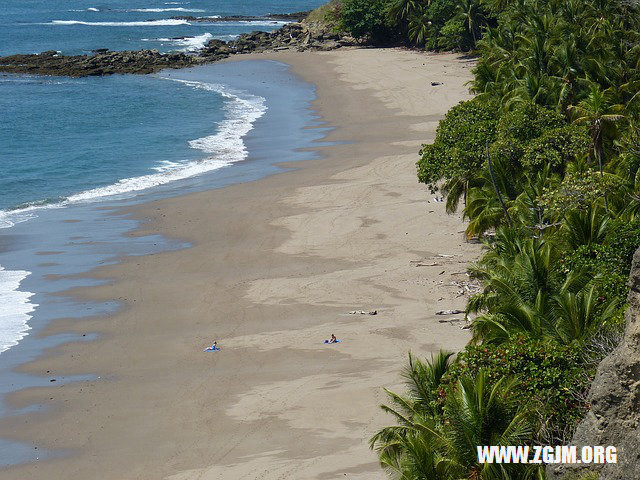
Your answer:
<point x="74" y="151"/>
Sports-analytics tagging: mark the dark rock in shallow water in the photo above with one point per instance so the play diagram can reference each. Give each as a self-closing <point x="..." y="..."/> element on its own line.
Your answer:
<point x="293" y="17"/>
<point x="102" y="63"/>
<point x="295" y="36"/>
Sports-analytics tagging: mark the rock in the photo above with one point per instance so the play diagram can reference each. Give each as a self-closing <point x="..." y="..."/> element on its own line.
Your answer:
<point x="102" y="63"/>
<point x="294" y="17"/>
<point x="614" y="418"/>
<point x="294" y="35"/>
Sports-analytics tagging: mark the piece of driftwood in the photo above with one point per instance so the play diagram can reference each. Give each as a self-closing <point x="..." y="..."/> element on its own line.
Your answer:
<point x="418" y="263"/>
<point x="449" y="312"/>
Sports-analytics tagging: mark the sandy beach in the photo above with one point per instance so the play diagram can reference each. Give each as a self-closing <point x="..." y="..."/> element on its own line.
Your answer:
<point x="275" y="268"/>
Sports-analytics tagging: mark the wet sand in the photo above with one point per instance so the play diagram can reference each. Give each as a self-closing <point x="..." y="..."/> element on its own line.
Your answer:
<point x="276" y="266"/>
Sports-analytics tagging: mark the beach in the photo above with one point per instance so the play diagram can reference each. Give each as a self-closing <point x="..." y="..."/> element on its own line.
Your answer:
<point x="274" y="269"/>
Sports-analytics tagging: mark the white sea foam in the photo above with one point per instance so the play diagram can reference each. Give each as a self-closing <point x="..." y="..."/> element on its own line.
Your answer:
<point x="189" y="44"/>
<point x="16" y="308"/>
<point x="9" y="218"/>
<point x="223" y="148"/>
<point x="93" y="9"/>
<point x="150" y="23"/>
<point x="159" y="10"/>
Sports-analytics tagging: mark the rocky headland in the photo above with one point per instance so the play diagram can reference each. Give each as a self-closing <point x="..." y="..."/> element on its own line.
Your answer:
<point x="296" y="36"/>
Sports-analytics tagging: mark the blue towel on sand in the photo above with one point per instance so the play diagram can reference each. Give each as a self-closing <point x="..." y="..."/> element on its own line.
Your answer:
<point x="327" y="341"/>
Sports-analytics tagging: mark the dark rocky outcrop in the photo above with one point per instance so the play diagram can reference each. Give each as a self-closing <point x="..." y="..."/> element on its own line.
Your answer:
<point x="291" y="17"/>
<point x="614" y="418"/>
<point x="297" y="36"/>
<point x="102" y="63"/>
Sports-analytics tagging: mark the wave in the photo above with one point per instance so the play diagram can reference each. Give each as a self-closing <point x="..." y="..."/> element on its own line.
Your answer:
<point x="142" y="10"/>
<point x="223" y="148"/>
<point x="190" y="44"/>
<point x="16" y="307"/>
<point x="150" y="23"/>
<point x="160" y="10"/>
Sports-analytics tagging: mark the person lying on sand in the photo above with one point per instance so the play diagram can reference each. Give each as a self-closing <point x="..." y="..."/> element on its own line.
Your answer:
<point x="212" y="347"/>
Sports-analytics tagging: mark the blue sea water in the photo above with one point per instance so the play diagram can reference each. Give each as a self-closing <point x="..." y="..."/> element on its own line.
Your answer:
<point x="79" y="26"/>
<point x="73" y="152"/>
<point x="66" y="142"/>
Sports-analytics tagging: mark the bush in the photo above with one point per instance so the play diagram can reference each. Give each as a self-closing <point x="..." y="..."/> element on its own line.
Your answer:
<point x="552" y="376"/>
<point x="366" y="18"/>
<point x="557" y="147"/>
<point x="624" y="240"/>
<point x="579" y="191"/>
<point x="528" y="121"/>
<point x="459" y="149"/>
<point x="452" y="35"/>
<point x="605" y="263"/>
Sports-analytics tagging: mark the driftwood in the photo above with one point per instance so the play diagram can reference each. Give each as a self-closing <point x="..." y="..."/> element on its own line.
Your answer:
<point x="362" y="312"/>
<point x="449" y="312"/>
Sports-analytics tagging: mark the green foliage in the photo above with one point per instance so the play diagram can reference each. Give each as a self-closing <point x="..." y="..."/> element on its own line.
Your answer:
<point x="550" y="376"/>
<point x="604" y="262"/>
<point x="624" y="239"/>
<point x="434" y="24"/>
<point x="557" y="147"/>
<point x="547" y="160"/>
<point x="440" y="443"/>
<point x="528" y="121"/>
<point x="366" y="18"/>
<point x="579" y="191"/>
<point x="452" y="35"/>
<point x="459" y="149"/>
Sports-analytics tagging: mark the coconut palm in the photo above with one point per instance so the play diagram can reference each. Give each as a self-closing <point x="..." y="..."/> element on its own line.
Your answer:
<point x="483" y="413"/>
<point x="599" y="111"/>
<point x="413" y="448"/>
<point x="521" y="292"/>
<point x="470" y="13"/>
<point x="426" y="444"/>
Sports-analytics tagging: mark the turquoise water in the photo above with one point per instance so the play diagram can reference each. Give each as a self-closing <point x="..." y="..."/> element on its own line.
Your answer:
<point x="73" y="152"/>
<point x="68" y="142"/>
<point x="77" y="26"/>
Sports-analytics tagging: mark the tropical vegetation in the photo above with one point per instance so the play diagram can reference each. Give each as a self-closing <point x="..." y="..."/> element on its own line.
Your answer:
<point x="544" y="163"/>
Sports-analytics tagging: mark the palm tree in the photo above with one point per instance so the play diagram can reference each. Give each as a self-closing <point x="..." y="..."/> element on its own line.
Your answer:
<point x="522" y="292"/>
<point x="442" y="445"/>
<point x="585" y="228"/>
<point x="601" y="114"/>
<point x="470" y="14"/>
<point x="481" y="413"/>
<point x="578" y="317"/>
<point x="413" y="448"/>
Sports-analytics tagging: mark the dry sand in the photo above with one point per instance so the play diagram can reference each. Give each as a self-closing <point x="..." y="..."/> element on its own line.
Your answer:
<point x="276" y="266"/>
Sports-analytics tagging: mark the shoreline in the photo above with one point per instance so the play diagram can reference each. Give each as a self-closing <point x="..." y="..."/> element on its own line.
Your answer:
<point x="286" y="257"/>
